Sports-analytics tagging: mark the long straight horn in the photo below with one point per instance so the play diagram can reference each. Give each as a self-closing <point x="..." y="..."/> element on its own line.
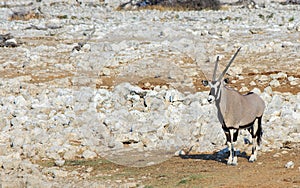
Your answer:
<point x="215" y="70"/>
<point x="225" y="70"/>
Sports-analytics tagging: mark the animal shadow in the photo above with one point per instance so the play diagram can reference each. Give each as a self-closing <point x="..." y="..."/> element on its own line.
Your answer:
<point x="219" y="156"/>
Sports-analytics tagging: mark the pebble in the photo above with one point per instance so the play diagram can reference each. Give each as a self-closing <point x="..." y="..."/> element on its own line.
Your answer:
<point x="289" y="164"/>
<point x="276" y="155"/>
<point x="274" y="83"/>
<point x="87" y="154"/>
<point x="89" y="170"/>
<point x="252" y="83"/>
<point x="59" y="162"/>
<point x="244" y="89"/>
<point x="256" y="90"/>
<point x="280" y="75"/>
<point x="268" y="90"/>
<point x="293" y="83"/>
<point x="264" y="78"/>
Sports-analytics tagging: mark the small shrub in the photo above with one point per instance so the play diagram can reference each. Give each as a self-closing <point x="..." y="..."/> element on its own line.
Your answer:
<point x="179" y="5"/>
<point x="183" y="181"/>
<point x="192" y="4"/>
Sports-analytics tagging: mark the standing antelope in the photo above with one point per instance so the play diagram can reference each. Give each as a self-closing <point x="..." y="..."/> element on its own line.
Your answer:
<point x="236" y="111"/>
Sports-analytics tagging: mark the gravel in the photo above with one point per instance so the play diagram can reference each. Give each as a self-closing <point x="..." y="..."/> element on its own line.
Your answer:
<point x="69" y="83"/>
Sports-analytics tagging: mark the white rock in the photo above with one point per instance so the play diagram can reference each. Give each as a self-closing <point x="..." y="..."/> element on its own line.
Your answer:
<point x="55" y="172"/>
<point x="277" y="101"/>
<point x="280" y="75"/>
<point x="106" y="72"/>
<point x="263" y="78"/>
<point x="277" y="155"/>
<point x="244" y="89"/>
<point x="87" y="154"/>
<point x="53" y="155"/>
<point x="18" y="141"/>
<point x="89" y="170"/>
<point x="70" y="154"/>
<point x="35" y="181"/>
<point x="274" y="83"/>
<point x="256" y="90"/>
<point x="54" y="24"/>
<point x="289" y="164"/>
<point x="59" y="162"/>
<point x="173" y="96"/>
<point x="268" y="90"/>
<point x="234" y="71"/>
<point x="3" y="149"/>
<point x="252" y="83"/>
<point x="274" y="118"/>
<point x="9" y="183"/>
<point x="20" y="101"/>
<point x="11" y="42"/>
<point x="11" y="164"/>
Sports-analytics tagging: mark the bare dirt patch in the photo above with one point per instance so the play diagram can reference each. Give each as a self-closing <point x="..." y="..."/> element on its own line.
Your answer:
<point x="248" y="77"/>
<point x="200" y="170"/>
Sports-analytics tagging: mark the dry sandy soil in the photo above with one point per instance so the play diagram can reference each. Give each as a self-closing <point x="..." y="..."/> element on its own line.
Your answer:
<point x="200" y="170"/>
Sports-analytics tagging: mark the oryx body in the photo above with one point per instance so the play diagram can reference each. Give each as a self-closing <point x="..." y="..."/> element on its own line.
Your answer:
<point x="236" y="111"/>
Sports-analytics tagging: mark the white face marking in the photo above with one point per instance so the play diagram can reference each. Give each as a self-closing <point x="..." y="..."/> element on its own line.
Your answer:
<point x="214" y="91"/>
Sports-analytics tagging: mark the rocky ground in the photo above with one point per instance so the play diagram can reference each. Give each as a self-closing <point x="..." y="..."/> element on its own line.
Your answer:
<point x="80" y="80"/>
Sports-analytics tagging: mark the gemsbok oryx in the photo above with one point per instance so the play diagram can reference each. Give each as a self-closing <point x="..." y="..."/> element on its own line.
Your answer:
<point x="236" y="111"/>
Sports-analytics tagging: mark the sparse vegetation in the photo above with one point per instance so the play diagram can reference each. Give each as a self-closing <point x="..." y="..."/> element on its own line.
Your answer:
<point x="148" y="186"/>
<point x="180" y="172"/>
<point x="177" y="5"/>
<point x="291" y="19"/>
<point x="261" y="16"/>
<point x="267" y="17"/>
<point x="74" y="163"/>
<point x="193" y="177"/>
<point x="270" y="16"/>
<point x="62" y="16"/>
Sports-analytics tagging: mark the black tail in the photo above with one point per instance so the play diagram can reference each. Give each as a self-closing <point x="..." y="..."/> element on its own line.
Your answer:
<point x="259" y="131"/>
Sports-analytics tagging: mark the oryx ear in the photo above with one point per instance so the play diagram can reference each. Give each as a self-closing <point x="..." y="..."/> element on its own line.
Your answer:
<point x="226" y="80"/>
<point x="205" y="82"/>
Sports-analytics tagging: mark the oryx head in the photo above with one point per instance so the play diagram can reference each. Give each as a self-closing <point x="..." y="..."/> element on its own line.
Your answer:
<point x="215" y="84"/>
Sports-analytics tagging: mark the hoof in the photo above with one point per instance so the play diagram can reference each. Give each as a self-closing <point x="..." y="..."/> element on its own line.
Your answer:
<point x="232" y="163"/>
<point x="252" y="159"/>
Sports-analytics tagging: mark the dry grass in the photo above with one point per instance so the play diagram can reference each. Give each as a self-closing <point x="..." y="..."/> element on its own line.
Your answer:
<point x="25" y="15"/>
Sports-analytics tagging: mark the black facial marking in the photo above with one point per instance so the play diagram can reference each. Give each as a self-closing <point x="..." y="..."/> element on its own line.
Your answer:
<point x="205" y="82"/>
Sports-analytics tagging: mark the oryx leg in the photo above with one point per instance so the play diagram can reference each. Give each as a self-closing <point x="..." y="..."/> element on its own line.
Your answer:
<point x="231" y="136"/>
<point x="256" y="133"/>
